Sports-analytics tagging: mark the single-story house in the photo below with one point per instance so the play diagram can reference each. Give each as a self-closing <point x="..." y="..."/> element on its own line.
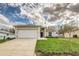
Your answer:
<point x="72" y="34"/>
<point x="27" y="31"/>
<point x="31" y="32"/>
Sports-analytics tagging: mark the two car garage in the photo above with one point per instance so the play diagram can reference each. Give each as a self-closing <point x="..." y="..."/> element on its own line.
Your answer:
<point x="27" y="32"/>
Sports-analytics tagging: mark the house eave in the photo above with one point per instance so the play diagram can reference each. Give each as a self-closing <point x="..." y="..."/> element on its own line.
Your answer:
<point x="29" y="25"/>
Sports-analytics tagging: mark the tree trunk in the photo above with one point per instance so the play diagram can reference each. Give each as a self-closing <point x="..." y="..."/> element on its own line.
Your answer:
<point x="63" y="34"/>
<point x="69" y="35"/>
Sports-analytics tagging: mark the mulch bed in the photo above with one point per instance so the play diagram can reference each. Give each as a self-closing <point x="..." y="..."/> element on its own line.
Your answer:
<point x="56" y="54"/>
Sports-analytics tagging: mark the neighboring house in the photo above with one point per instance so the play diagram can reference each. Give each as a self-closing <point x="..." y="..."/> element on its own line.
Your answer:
<point x="5" y="28"/>
<point x="72" y="34"/>
<point x="3" y="34"/>
<point x="6" y="34"/>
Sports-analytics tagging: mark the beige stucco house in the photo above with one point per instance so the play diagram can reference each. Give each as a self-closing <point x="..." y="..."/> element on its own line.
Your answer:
<point x="31" y="32"/>
<point x="72" y="34"/>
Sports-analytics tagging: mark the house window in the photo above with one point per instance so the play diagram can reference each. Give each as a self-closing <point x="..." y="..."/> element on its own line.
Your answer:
<point x="42" y="29"/>
<point x="50" y="33"/>
<point x="75" y="36"/>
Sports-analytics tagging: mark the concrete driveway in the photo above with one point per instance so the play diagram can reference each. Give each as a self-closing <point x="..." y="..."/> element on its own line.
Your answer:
<point x="18" y="47"/>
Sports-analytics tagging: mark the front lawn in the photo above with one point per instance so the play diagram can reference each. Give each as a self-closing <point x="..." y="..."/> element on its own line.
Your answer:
<point x="57" y="46"/>
<point x="4" y="40"/>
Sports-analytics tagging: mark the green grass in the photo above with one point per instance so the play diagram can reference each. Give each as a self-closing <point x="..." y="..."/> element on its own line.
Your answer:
<point x="1" y="41"/>
<point x="60" y="46"/>
<point x="4" y="40"/>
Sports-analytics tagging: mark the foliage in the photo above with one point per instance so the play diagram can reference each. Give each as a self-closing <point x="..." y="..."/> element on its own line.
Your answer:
<point x="3" y="40"/>
<point x="58" y="46"/>
<point x="66" y="28"/>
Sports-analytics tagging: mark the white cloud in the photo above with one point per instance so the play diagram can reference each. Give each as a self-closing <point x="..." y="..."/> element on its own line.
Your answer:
<point x="18" y="23"/>
<point x="3" y="19"/>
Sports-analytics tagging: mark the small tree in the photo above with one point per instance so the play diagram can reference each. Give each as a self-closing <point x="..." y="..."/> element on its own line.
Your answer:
<point x="61" y="30"/>
<point x="66" y="28"/>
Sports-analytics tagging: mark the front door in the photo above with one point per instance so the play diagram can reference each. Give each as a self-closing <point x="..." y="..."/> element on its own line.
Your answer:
<point x="41" y="34"/>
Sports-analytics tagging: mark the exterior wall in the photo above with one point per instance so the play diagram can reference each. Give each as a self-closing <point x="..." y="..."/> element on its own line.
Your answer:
<point x="45" y="32"/>
<point x="72" y="33"/>
<point x="27" y="28"/>
<point x="16" y="33"/>
<point x="38" y="33"/>
<point x="66" y="35"/>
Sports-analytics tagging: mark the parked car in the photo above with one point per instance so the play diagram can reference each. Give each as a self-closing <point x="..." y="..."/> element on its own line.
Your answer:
<point x="2" y="36"/>
<point x="10" y="37"/>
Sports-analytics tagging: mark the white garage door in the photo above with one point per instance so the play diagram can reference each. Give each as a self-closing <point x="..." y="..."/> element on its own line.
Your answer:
<point x="27" y="34"/>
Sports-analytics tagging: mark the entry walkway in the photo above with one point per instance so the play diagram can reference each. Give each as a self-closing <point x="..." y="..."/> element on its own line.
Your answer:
<point x="18" y="47"/>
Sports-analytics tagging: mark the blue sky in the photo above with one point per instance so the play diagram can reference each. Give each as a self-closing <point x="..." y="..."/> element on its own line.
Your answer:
<point x="13" y="14"/>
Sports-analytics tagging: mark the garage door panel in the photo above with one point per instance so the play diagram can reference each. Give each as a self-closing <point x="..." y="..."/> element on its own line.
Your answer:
<point x="27" y="33"/>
